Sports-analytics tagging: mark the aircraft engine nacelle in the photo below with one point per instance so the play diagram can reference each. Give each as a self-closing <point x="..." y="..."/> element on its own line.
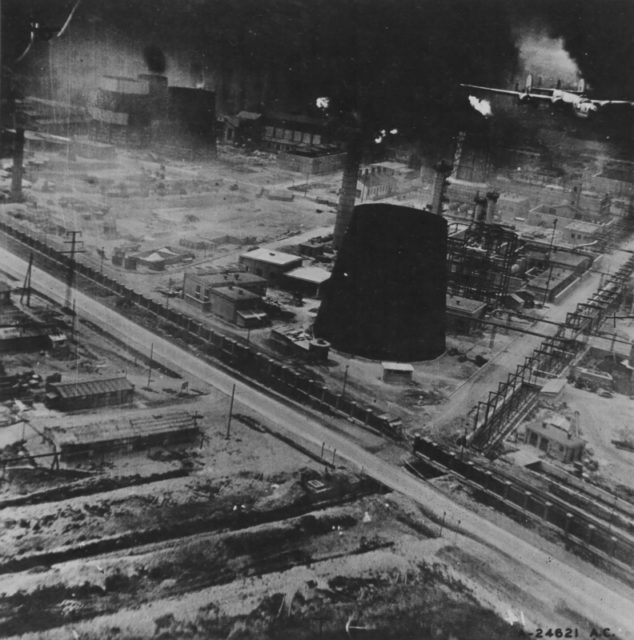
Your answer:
<point x="526" y="98"/>
<point x="585" y="109"/>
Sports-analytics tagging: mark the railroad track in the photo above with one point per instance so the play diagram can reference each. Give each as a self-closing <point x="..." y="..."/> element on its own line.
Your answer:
<point x="605" y="531"/>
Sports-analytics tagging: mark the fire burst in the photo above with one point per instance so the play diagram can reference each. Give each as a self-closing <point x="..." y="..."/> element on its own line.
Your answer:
<point x="481" y="106"/>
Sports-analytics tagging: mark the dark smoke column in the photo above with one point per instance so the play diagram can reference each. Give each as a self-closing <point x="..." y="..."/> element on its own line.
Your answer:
<point x="354" y="154"/>
<point x="386" y="297"/>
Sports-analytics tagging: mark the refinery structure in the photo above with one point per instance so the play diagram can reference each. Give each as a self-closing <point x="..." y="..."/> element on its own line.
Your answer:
<point x="276" y="368"/>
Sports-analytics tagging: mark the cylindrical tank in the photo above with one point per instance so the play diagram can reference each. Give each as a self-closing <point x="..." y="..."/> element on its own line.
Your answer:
<point x="318" y="349"/>
<point x="386" y="296"/>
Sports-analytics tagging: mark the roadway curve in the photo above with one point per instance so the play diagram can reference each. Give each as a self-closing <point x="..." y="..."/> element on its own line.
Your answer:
<point x="580" y="593"/>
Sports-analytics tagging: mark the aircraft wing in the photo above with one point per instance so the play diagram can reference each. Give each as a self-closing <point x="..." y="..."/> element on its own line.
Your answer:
<point x="607" y="103"/>
<point x="508" y="92"/>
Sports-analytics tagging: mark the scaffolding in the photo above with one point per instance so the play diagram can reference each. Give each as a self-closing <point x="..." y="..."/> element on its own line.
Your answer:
<point x="480" y="260"/>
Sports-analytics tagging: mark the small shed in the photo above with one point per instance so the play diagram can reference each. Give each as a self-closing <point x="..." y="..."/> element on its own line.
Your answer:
<point x="308" y="281"/>
<point x="89" y="393"/>
<point x="554" y="441"/>
<point x="397" y="372"/>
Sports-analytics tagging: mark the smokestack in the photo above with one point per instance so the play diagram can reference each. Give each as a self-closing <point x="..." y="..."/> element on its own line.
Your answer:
<point x="348" y="185"/>
<point x="17" y="170"/>
<point x="480" y="208"/>
<point x="575" y="193"/>
<point x="492" y="204"/>
<point x="443" y="169"/>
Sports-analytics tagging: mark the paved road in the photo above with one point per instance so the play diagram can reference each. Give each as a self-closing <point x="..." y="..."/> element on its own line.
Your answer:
<point x="581" y="593"/>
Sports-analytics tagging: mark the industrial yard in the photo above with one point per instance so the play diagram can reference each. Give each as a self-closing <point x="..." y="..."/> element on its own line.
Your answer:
<point x="275" y="365"/>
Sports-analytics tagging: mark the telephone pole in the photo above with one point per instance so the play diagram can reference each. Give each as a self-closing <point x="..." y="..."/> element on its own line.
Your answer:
<point x="70" y="273"/>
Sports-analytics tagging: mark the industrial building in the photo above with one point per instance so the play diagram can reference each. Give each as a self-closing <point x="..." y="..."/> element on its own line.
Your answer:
<point x="397" y="372"/>
<point x="89" y="393"/>
<point x="144" y="111"/>
<point x="386" y="296"/>
<point x="307" y="281"/>
<point x="270" y="265"/>
<point x="197" y="286"/>
<point x="96" y="439"/>
<point x="463" y="314"/>
<point x="238" y="306"/>
<point x="555" y="441"/>
<point x="297" y="342"/>
<point x="480" y="260"/>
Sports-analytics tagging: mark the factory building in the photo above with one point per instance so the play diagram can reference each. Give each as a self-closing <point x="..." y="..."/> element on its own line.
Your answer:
<point x="145" y="111"/>
<point x="83" y="441"/>
<point x="238" y="306"/>
<point x="312" y="161"/>
<point x="89" y="394"/>
<point x="306" y="281"/>
<point x="555" y="441"/>
<point x="464" y="314"/>
<point x="616" y="181"/>
<point x="197" y="286"/>
<point x="270" y="265"/>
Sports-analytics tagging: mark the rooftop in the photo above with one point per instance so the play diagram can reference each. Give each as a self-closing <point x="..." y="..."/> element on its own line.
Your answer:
<point x="134" y="428"/>
<point x="583" y="227"/>
<point x="555" y="433"/>
<point x="271" y="257"/>
<point x="230" y="277"/>
<point x="235" y="293"/>
<point x="464" y="306"/>
<point x="397" y="366"/>
<point x="80" y="388"/>
<point x="314" y="275"/>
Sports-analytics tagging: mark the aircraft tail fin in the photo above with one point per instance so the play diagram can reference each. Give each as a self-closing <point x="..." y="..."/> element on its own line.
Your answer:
<point x="581" y="85"/>
<point x="529" y="83"/>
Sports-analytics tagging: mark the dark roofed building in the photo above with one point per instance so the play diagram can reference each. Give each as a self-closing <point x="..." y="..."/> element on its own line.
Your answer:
<point x="197" y="286"/>
<point x="238" y="306"/>
<point x="89" y="393"/>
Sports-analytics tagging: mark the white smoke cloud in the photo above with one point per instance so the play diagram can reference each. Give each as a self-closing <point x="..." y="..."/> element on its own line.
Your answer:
<point x="481" y="106"/>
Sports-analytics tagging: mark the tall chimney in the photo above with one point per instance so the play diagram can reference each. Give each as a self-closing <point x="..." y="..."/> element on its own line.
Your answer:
<point x="443" y="169"/>
<point x="480" y="208"/>
<point x="492" y="204"/>
<point x="354" y="148"/>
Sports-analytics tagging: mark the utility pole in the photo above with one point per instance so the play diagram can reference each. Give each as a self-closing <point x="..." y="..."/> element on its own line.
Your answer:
<point x="149" y="370"/>
<point x="233" y="393"/>
<point x="345" y="380"/>
<point x="26" y="287"/>
<point x="550" y="260"/>
<point x="70" y="274"/>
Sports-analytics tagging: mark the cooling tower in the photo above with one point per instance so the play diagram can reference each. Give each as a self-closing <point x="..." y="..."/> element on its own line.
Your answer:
<point x="386" y="296"/>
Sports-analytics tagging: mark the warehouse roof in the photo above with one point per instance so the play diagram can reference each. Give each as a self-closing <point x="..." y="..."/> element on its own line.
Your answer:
<point x="230" y="277"/>
<point x="555" y="433"/>
<point x="271" y="257"/>
<point x="314" y="275"/>
<point x="135" y="428"/>
<point x="94" y="387"/>
<point x="234" y="293"/>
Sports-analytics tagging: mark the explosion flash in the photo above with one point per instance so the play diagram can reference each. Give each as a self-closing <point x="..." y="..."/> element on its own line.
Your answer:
<point x="481" y="106"/>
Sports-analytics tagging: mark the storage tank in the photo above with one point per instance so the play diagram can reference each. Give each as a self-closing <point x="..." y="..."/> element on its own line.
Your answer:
<point x="386" y="296"/>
